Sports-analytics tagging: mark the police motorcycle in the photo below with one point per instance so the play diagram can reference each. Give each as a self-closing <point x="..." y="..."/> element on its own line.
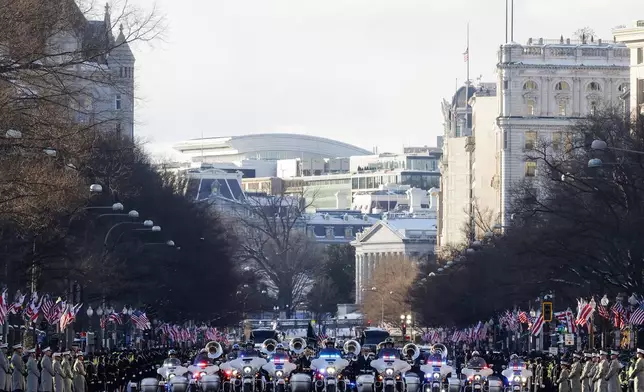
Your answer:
<point x="477" y="372"/>
<point x="278" y="369"/>
<point x="328" y="368"/>
<point x="411" y="353"/>
<point x="436" y="369"/>
<point x="298" y="382"/>
<point x="364" y="382"/>
<point x="517" y="374"/>
<point x="244" y="370"/>
<point x="173" y="377"/>
<point x="389" y="368"/>
<point x="205" y="374"/>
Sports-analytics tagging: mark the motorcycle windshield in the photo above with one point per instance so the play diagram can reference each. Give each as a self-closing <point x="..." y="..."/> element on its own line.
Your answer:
<point x="171" y="362"/>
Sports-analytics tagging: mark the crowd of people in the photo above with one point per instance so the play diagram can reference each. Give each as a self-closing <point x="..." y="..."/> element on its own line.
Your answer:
<point x="31" y="370"/>
<point x="601" y="371"/>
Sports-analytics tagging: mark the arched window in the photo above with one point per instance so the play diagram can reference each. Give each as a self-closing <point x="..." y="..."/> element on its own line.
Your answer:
<point x="562" y="86"/>
<point x="530" y="85"/>
<point x="593" y="86"/>
<point x="530" y="107"/>
<point x="622" y="87"/>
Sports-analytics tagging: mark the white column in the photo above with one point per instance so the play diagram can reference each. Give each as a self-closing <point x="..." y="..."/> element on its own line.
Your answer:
<point x="358" y="278"/>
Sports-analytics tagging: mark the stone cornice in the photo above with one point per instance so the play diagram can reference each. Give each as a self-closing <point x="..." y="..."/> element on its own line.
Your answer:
<point x="580" y="67"/>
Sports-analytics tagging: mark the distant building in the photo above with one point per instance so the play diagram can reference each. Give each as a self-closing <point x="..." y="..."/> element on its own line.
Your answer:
<point x="633" y="37"/>
<point x="269" y="147"/>
<point x="543" y="87"/>
<point x="390" y="240"/>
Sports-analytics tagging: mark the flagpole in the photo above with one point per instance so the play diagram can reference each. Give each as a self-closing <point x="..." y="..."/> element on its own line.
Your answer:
<point x="467" y="79"/>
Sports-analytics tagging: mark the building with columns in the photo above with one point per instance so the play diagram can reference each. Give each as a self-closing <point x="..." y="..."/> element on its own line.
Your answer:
<point x="544" y="86"/>
<point x="389" y="240"/>
<point x="633" y="37"/>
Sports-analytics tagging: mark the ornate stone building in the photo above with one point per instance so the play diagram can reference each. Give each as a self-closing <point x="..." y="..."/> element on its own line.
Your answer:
<point x="543" y="87"/>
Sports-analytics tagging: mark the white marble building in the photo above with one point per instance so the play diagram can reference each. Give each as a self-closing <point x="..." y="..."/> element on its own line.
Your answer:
<point x="388" y="240"/>
<point x="633" y="37"/>
<point x="543" y="87"/>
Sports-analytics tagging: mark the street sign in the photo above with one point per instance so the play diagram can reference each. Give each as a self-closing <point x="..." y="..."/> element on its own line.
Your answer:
<point x="569" y="339"/>
<point x="554" y="350"/>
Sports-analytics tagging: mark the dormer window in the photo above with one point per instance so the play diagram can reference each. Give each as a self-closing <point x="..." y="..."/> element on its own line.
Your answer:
<point x="117" y="102"/>
<point x="593" y="108"/>
<point x="593" y="86"/>
<point x="348" y="232"/>
<point x="329" y="233"/>
<point x="530" y="85"/>
<point x="562" y="86"/>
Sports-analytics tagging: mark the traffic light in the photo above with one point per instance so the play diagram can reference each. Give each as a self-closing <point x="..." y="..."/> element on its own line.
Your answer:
<point x="369" y="323"/>
<point x="404" y="329"/>
<point x="546" y="311"/>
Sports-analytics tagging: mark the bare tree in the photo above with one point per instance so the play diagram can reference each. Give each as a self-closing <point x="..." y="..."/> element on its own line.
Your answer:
<point x="60" y="71"/>
<point x="272" y="237"/>
<point x="585" y="34"/>
<point x="387" y="293"/>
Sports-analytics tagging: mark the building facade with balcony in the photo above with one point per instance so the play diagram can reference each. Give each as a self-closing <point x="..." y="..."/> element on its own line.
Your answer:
<point x="543" y="88"/>
<point x="633" y="37"/>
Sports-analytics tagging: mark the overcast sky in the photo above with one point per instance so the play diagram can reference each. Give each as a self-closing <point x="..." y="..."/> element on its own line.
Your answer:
<point x="366" y="72"/>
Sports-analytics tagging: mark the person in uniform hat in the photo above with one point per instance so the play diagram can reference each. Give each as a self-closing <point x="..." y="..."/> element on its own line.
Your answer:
<point x="585" y="372"/>
<point x="5" y="370"/>
<point x="59" y="375"/>
<point x="68" y="375"/>
<point x="80" y="383"/>
<point x="19" y="371"/>
<point x="637" y="373"/>
<point x="304" y="362"/>
<point x="47" y="373"/>
<point x="600" y="373"/>
<point x="33" y="373"/>
<point x="575" y="373"/>
<point x="562" y="381"/>
<point x="593" y="371"/>
<point x="612" y="377"/>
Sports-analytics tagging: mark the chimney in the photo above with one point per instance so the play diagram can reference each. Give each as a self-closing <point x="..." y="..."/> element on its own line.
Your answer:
<point x="415" y="199"/>
<point x="342" y="200"/>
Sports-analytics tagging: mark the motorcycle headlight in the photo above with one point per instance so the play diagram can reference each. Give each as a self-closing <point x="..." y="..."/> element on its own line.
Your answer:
<point x="437" y="375"/>
<point x="248" y="370"/>
<point x="477" y="378"/>
<point x="202" y="374"/>
<point x="235" y="372"/>
<point x="330" y="370"/>
<point x="517" y="378"/>
<point x="524" y="379"/>
<point x="279" y="373"/>
<point x="170" y="375"/>
<point x="389" y="372"/>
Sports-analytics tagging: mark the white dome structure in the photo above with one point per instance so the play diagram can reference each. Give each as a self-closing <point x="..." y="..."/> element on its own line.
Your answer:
<point x="267" y="147"/>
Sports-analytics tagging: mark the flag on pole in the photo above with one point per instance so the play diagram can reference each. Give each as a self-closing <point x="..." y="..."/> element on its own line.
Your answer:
<point x="466" y="55"/>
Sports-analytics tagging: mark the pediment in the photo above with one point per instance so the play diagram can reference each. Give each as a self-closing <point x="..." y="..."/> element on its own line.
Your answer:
<point x="380" y="233"/>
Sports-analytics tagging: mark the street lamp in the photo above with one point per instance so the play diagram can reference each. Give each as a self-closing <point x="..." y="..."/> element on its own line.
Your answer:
<point x="90" y="311"/>
<point x="600" y="145"/>
<point x="533" y="313"/>
<point x="95" y="188"/>
<point x="604" y="301"/>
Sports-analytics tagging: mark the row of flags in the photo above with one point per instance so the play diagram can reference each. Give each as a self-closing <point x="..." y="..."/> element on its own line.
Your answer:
<point x="619" y="314"/>
<point x="58" y="312"/>
<point x="180" y="334"/>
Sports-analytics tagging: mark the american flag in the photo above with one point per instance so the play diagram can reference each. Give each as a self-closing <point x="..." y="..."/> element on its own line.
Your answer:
<point x="603" y="311"/>
<point x="140" y="320"/>
<point x="33" y="309"/>
<point x="568" y="319"/>
<point x="115" y="318"/>
<point x="585" y="311"/>
<point x="69" y="315"/>
<point x="466" y="55"/>
<point x="523" y="318"/>
<point x="537" y="327"/>
<point x="637" y="317"/>
<point x="17" y="303"/>
<point x="619" y="314"/>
